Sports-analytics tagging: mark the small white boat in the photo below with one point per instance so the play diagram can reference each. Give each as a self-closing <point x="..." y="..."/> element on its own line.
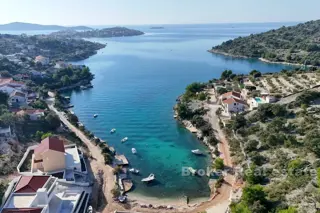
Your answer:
<point x="95" y="115"/>
<point x="134" y="151"/>
<point x="197" y="152"/>
<point x="134" y="171"/>
<point x="124" y="139"/>
<point x="113" y="130"/>
<point x="151" y="177"/>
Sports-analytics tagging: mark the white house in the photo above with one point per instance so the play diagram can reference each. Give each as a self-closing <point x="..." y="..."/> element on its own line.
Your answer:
<point x="233" y="105"/>
<point x="17" y="98"/>
<point x="7" y="89"/>
<point x="34" y="114"/>
<point x="42" y="60"/>
<point x="60" y="65"/>
<point x="44" y="194"/>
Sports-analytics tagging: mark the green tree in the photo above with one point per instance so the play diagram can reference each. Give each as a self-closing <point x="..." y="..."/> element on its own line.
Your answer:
<point x="226" y="74"/>
<point x="65" y="80"/>
<point x="53" y="121"/>
<point x="239" y="121"/>
<point x="289" y="210"/>
<point x="251" y="145"/>
<point x="254" y="175"/>
<point x="254" y="193"/>
<point x="3" y="98"/>
<point x="218" y="164"/>
<point x="202" y="96"/>
<point x="239" y="208"/>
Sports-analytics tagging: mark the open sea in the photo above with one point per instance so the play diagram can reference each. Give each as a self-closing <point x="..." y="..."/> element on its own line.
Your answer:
<point x="137" y="80"/>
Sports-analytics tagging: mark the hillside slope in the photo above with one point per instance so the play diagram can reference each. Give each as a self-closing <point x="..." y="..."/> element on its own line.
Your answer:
<point x="295" y="44"/>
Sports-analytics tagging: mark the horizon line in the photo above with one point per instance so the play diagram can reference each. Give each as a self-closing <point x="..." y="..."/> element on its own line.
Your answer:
<point x="88" y="25"/>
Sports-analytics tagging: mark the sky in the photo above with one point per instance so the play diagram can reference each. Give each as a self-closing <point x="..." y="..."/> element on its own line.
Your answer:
<point x="138" y="12"/>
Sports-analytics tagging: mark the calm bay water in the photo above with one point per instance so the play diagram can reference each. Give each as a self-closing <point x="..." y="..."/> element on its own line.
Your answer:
<point x="137" y="80"/>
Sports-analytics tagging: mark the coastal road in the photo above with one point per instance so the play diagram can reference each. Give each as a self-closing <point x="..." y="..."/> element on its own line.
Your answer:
<point x="97" y="165"/>
<point x="218" y="204"/>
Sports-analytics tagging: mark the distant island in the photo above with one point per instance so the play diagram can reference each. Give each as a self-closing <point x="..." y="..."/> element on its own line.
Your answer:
<point x="156" y="28"/>
<point x="102" y="33"/>
<point x="298" y="44"/>
<point x="28" y="26"/>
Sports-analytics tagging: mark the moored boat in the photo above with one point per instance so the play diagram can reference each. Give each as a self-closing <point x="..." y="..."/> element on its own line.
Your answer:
<point x="134" y="171"/>
<point x="151" y="177"/>
<point x="124" y="139"/>
<point x="134" y="151"/>
<point x="95" y="115"/>
<point x="197" y="152"/>
<point x="113" y="130"/>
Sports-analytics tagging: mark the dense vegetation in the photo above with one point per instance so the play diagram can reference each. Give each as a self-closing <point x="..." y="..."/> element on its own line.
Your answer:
<point x="294" y="44"/>
<point x="281" y="144"/>
<point x="102" y="33"/>
<point x="48" y="46"/>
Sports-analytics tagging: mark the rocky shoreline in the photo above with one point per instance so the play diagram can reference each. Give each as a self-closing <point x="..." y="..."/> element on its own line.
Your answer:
<point x="261" y="59"/>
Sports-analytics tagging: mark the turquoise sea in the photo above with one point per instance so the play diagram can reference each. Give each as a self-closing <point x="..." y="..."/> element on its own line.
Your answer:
<point x="137" y="80"/>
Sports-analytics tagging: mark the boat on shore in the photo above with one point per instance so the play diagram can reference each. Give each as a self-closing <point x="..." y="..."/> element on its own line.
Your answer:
<point x="113" y="130"/>
<point x="197" y="152"/>
<point x="124" y="139"/>
<point x="134" y="171"/>
<point x="151" y="177"/>
<point x="134" y="151"/>
<point x="95" y="115"/>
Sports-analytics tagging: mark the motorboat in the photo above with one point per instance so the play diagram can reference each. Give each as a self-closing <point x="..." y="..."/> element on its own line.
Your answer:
<point x="95" y="115"/>
<point x="151" y="177"/>
<point x="197" y="152"/>
<point x="124" y="139"/>
<point x="134" y="151"/>
<point x="113" y="130"/>
<point x="134" y="171"/>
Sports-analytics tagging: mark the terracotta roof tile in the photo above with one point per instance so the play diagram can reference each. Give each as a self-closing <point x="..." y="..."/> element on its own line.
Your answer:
<point x="22" y="210"/>
<point x="233" y="93"/>
<point x="30" y="184"/>
<point x="52" y="143"/>
<point x="234" y="100"/>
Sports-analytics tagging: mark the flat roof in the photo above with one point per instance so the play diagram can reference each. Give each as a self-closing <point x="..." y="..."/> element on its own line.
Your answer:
<point x="20" y="201"/>
<point x="72" y="158"/>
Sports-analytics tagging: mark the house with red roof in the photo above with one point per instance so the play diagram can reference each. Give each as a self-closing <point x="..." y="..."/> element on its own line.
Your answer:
<point x="53" y="156"/>
<point x="49" y="155"/>
<point x="232" y="94"/>
<point x="233" y="105"/>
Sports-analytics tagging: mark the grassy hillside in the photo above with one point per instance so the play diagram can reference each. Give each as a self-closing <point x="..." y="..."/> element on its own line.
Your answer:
<point x="295" y="44"/>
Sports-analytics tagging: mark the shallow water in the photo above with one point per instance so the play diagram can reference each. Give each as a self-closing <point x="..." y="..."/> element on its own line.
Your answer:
<point x="137" y="80"/>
